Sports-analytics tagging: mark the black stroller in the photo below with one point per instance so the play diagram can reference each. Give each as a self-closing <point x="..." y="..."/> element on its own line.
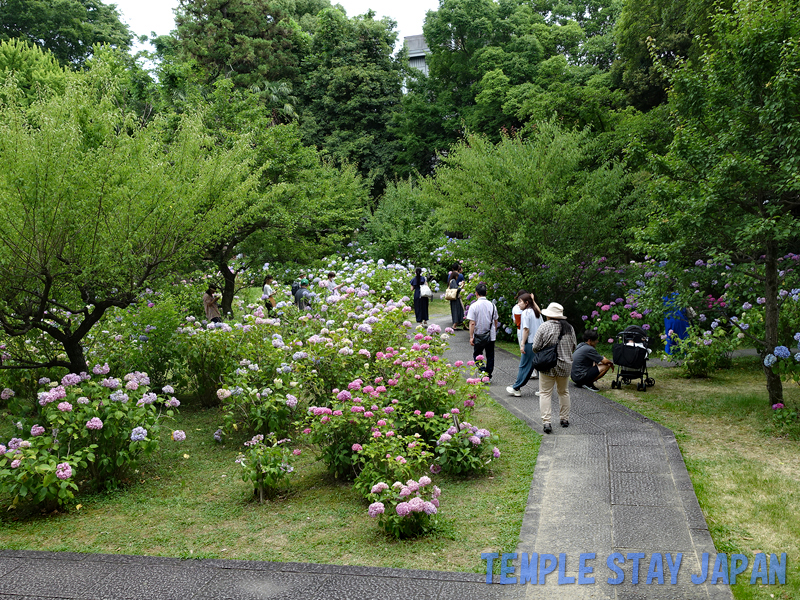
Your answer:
<point x="630" y="356"/>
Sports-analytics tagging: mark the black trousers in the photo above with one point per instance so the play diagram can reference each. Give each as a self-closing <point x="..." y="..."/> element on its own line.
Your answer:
<point x="487" y="350"/>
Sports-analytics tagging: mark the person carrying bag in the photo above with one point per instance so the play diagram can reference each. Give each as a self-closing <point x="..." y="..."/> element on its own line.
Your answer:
<point x="557" y="337"/>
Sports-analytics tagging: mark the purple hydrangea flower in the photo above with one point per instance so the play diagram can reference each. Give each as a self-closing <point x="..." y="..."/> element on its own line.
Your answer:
<point x="138" y="434"/>
<point x="178" y="435"/>
<point x="70" y="379"/>
<point x="782" y="352"/>
<point x="37" y="430"/>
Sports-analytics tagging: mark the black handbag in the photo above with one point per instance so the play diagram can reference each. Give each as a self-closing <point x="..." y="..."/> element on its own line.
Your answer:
<point x="482" y="339"/>
<point x="547" y="358"/>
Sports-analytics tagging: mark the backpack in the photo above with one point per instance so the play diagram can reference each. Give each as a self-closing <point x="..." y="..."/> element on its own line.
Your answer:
<point x="295" y="287"/>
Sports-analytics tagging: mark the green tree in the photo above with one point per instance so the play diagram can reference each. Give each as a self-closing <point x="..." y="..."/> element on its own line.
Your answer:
<point x="96" y="207"/>
<point x="304" y="208"/>
<point x="495" y="66"/>
<point x="352" y="86"/>
<point x="69" y="29"/>
<point x="249" y="41"/>
<point x="728" y="187"/>
<point x="403" y="226"/>
<point x="34" y="70"/>
<point x="540" y="206"/>
<point x="673" y="24"/>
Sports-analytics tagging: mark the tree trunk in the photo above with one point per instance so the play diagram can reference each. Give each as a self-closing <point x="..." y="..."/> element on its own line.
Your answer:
<point x="74" y="350"/>
<point x="228" y="289"/>
<point x="774" y="385"/>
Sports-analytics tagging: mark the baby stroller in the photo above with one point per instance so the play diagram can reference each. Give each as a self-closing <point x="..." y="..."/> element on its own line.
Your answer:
<point x="630" y="356"/>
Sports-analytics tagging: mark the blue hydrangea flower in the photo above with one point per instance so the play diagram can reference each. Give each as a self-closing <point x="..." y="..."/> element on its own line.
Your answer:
<point x="769" y="360"/>
<point x="138" y="434"/>
<point x="782" y="352"/>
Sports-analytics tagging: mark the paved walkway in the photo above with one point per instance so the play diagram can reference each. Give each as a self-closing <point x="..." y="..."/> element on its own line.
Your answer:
<point x="611" y="482"/>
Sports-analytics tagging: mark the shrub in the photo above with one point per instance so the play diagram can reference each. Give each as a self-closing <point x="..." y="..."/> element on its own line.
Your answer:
<point x="118" y="418"/>
<point x="704" y="350"/>
<point x="32" y="474"/>
<point x="465" y="450"/>
<point x="266" y="464"/>
<point x="405" y="510"/>
<point x="389" y="456"/>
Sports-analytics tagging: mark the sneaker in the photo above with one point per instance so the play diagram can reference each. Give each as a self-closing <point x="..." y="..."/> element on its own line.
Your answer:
<point x="591" y="387"/>
<point x="513" y="392"/>
<point x="564" y="423"/>
<point x="537" y="393"/>
<point x="548" y="428"/>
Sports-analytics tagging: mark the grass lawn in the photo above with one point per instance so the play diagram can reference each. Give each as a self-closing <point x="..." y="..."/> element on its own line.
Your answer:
<point x="746" y="473"/>
<point x="190" y="502"/>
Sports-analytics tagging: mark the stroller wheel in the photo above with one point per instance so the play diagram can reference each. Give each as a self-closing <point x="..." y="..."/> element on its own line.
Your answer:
<point x="641" y="387"/>
<point x="613" y="385"/>
<point x="650" y="382"/>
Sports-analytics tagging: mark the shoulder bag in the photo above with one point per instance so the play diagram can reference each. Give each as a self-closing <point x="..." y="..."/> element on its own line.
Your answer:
<point x="451" y="293"/>
<point x="547" y="358"/>
<point x="425" y="291"/>
<point x="481" y="339"/>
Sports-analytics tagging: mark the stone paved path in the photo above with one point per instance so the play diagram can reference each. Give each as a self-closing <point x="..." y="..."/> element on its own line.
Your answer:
<point x="613" y="481"/>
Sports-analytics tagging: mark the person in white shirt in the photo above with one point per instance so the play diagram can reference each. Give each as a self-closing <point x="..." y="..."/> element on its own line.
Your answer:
<point x="530" y="319"/>
<point x="483" y="322"/>
<point x="268" y="294"/>
<point x="331" y="284"/>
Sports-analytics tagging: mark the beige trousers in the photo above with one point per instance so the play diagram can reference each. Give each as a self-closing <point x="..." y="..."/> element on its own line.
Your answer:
<point x="546" y="384"/>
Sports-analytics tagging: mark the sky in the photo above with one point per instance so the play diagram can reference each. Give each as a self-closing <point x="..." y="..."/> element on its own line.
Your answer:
<point x="144" y="16"/>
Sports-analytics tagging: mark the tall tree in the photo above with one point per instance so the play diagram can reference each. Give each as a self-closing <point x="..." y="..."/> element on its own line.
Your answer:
<point x="495" y="66"/>
<point x="303" y="208"/>
<point x="731" y="169"/>
<point x="34" y="70"/>
<point x="68" y="28"/>
<point x="673" y="24"/>
<point x="539" y="205"/>
<point x="97" y="206"/>
<point x="352" y="86"/>
<point x="249" y="41"/>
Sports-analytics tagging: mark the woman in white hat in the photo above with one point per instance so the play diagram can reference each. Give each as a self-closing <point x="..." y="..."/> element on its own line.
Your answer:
<point x="555" y="331"/>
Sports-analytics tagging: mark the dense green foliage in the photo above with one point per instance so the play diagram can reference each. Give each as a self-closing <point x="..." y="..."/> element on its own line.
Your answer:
<point x="151" y="206"/>
<point x="67" y="28"/>
<point x="351" y="89"/>
<point x="558" y="140"/>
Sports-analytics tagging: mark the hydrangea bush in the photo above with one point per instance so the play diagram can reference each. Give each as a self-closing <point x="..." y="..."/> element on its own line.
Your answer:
<point x="390" y="456"/>
<point x="465" y="449"/>
<point x="267" y="464"/>
<point x="405" y="509"/>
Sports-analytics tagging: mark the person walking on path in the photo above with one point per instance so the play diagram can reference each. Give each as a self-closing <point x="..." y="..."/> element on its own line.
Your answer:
<point x="420" y="302"/>
<point x="483" y="324"/>
<point x="556" y="331"/>
<point x="210" y="305"/>
<point x="530" y="319"/>
<point x="587" y="364"/>
<point x="456" y="307"/>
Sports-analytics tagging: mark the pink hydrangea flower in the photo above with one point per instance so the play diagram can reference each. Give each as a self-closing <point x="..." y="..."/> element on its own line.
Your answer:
<point x="376" y="508"/>
<point x="94" y="423"/>
<point x="63" y="471"/>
